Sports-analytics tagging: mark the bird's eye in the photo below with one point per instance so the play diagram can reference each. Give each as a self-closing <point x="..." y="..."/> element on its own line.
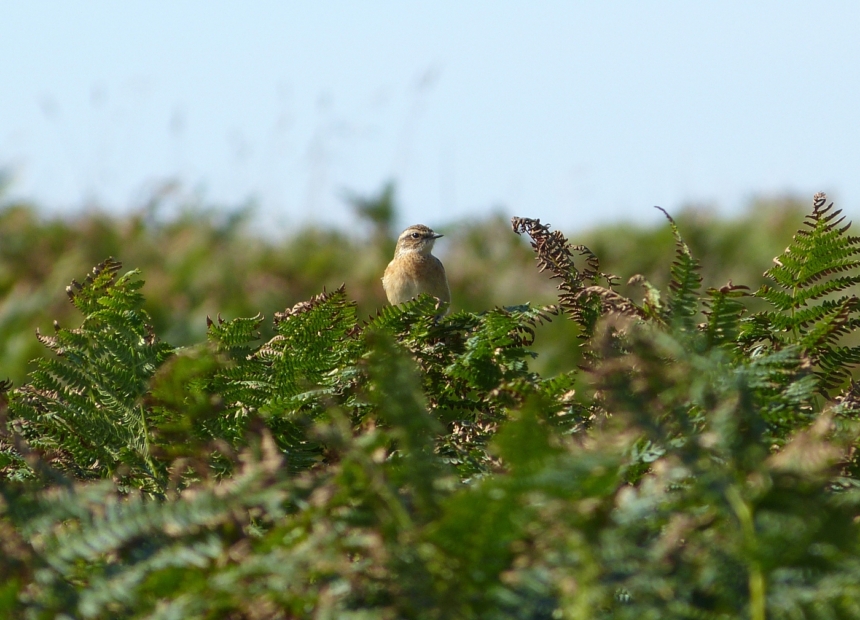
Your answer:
<point x="415" y="235"/>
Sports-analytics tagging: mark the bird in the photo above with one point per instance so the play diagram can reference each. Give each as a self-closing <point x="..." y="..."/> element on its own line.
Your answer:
<point x="414" y="270"/>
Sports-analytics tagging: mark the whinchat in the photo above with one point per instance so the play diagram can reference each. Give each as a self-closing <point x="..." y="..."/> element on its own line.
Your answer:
<point x="414" y="270"/>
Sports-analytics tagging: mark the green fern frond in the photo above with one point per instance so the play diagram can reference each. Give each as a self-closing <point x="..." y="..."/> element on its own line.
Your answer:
<point x="84" y="408"/>
<point x="473" y="367"/>
<point x="290" y="379"/>
<point x="121" y="550"/>
<point x="821" y="261"/>
<point x="495" y="349"/>
<point x="724" y="312"/>
<point x="234" y="336"/>
<point x="813" y="255"/>
<point x="416" y="316"/>
<point x="784" y="386"/>
<point x="682" y="303"/>
<point x="86" y="296"/>
<point x="563" y="408"/>
<point x="783" y="300"/>
<point x="816" y="253"/>
<point x="310" y="345"/>
<point x="835" y="368"/>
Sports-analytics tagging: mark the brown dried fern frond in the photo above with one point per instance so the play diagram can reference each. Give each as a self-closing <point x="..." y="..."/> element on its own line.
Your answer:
<point x="586" y="294"/>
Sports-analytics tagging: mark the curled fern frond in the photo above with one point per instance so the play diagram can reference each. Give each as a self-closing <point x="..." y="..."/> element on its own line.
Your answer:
<point x="552" y="248"/>
<point x="614" y="302"/>
<point x="652" y="302"/>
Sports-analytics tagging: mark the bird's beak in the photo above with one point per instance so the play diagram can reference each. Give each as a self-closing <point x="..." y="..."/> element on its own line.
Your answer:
<point x="437" y="235"/>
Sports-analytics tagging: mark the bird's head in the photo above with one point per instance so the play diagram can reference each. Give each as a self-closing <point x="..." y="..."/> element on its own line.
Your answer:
<point x="417" y="238"/>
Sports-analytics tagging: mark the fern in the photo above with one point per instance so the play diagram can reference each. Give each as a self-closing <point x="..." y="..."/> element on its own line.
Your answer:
<point x="821" y="262"/>
<point x="234" y="337"/>
<point x="682" y="304"/>
<point x="84" y="407"/>
<point x="287" y="380"/>
<point x="579" y="298"/>
<point x="162" y="547"/>
<point x="416" y="318"/>
<point x="417" y="466"/>
<point x="724" y="313"/>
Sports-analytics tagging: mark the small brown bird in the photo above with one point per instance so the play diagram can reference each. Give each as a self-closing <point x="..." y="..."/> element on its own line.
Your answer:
<point x="414" y="270"/>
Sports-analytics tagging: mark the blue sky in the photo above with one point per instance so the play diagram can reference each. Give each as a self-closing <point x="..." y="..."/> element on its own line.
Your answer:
<point x="574" y="112"/>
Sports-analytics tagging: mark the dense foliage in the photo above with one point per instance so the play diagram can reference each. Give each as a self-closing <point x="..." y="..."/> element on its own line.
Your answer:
<point x="695" y="458"/>
<point x="199" y="261"/>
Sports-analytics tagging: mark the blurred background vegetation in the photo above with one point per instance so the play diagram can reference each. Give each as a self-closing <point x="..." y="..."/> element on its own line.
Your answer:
<point x="200" y="260"/>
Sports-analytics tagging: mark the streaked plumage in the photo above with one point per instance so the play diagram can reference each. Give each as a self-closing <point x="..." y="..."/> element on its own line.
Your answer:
<point x="414" y="270"/>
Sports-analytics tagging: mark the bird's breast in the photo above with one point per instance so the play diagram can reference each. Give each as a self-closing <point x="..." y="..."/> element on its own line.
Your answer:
<point x="409" y="275"/>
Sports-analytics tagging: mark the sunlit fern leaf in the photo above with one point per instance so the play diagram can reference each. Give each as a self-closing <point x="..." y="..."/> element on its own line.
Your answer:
<point x="485" y="378"/>
<point x="784" y="300"/>
<point x="563" y="409"/>
<point x="84" y="408"/>
<point x="472" y="367"/>
<point x="834" y="369"/>
<point x="821" y="261"/>
<point x="310" y="348"/>
<point x="434" y="343"/>
<point x="682" y="303"/>
<point x="723" y="312"/>
<point x="821" y="251"/>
